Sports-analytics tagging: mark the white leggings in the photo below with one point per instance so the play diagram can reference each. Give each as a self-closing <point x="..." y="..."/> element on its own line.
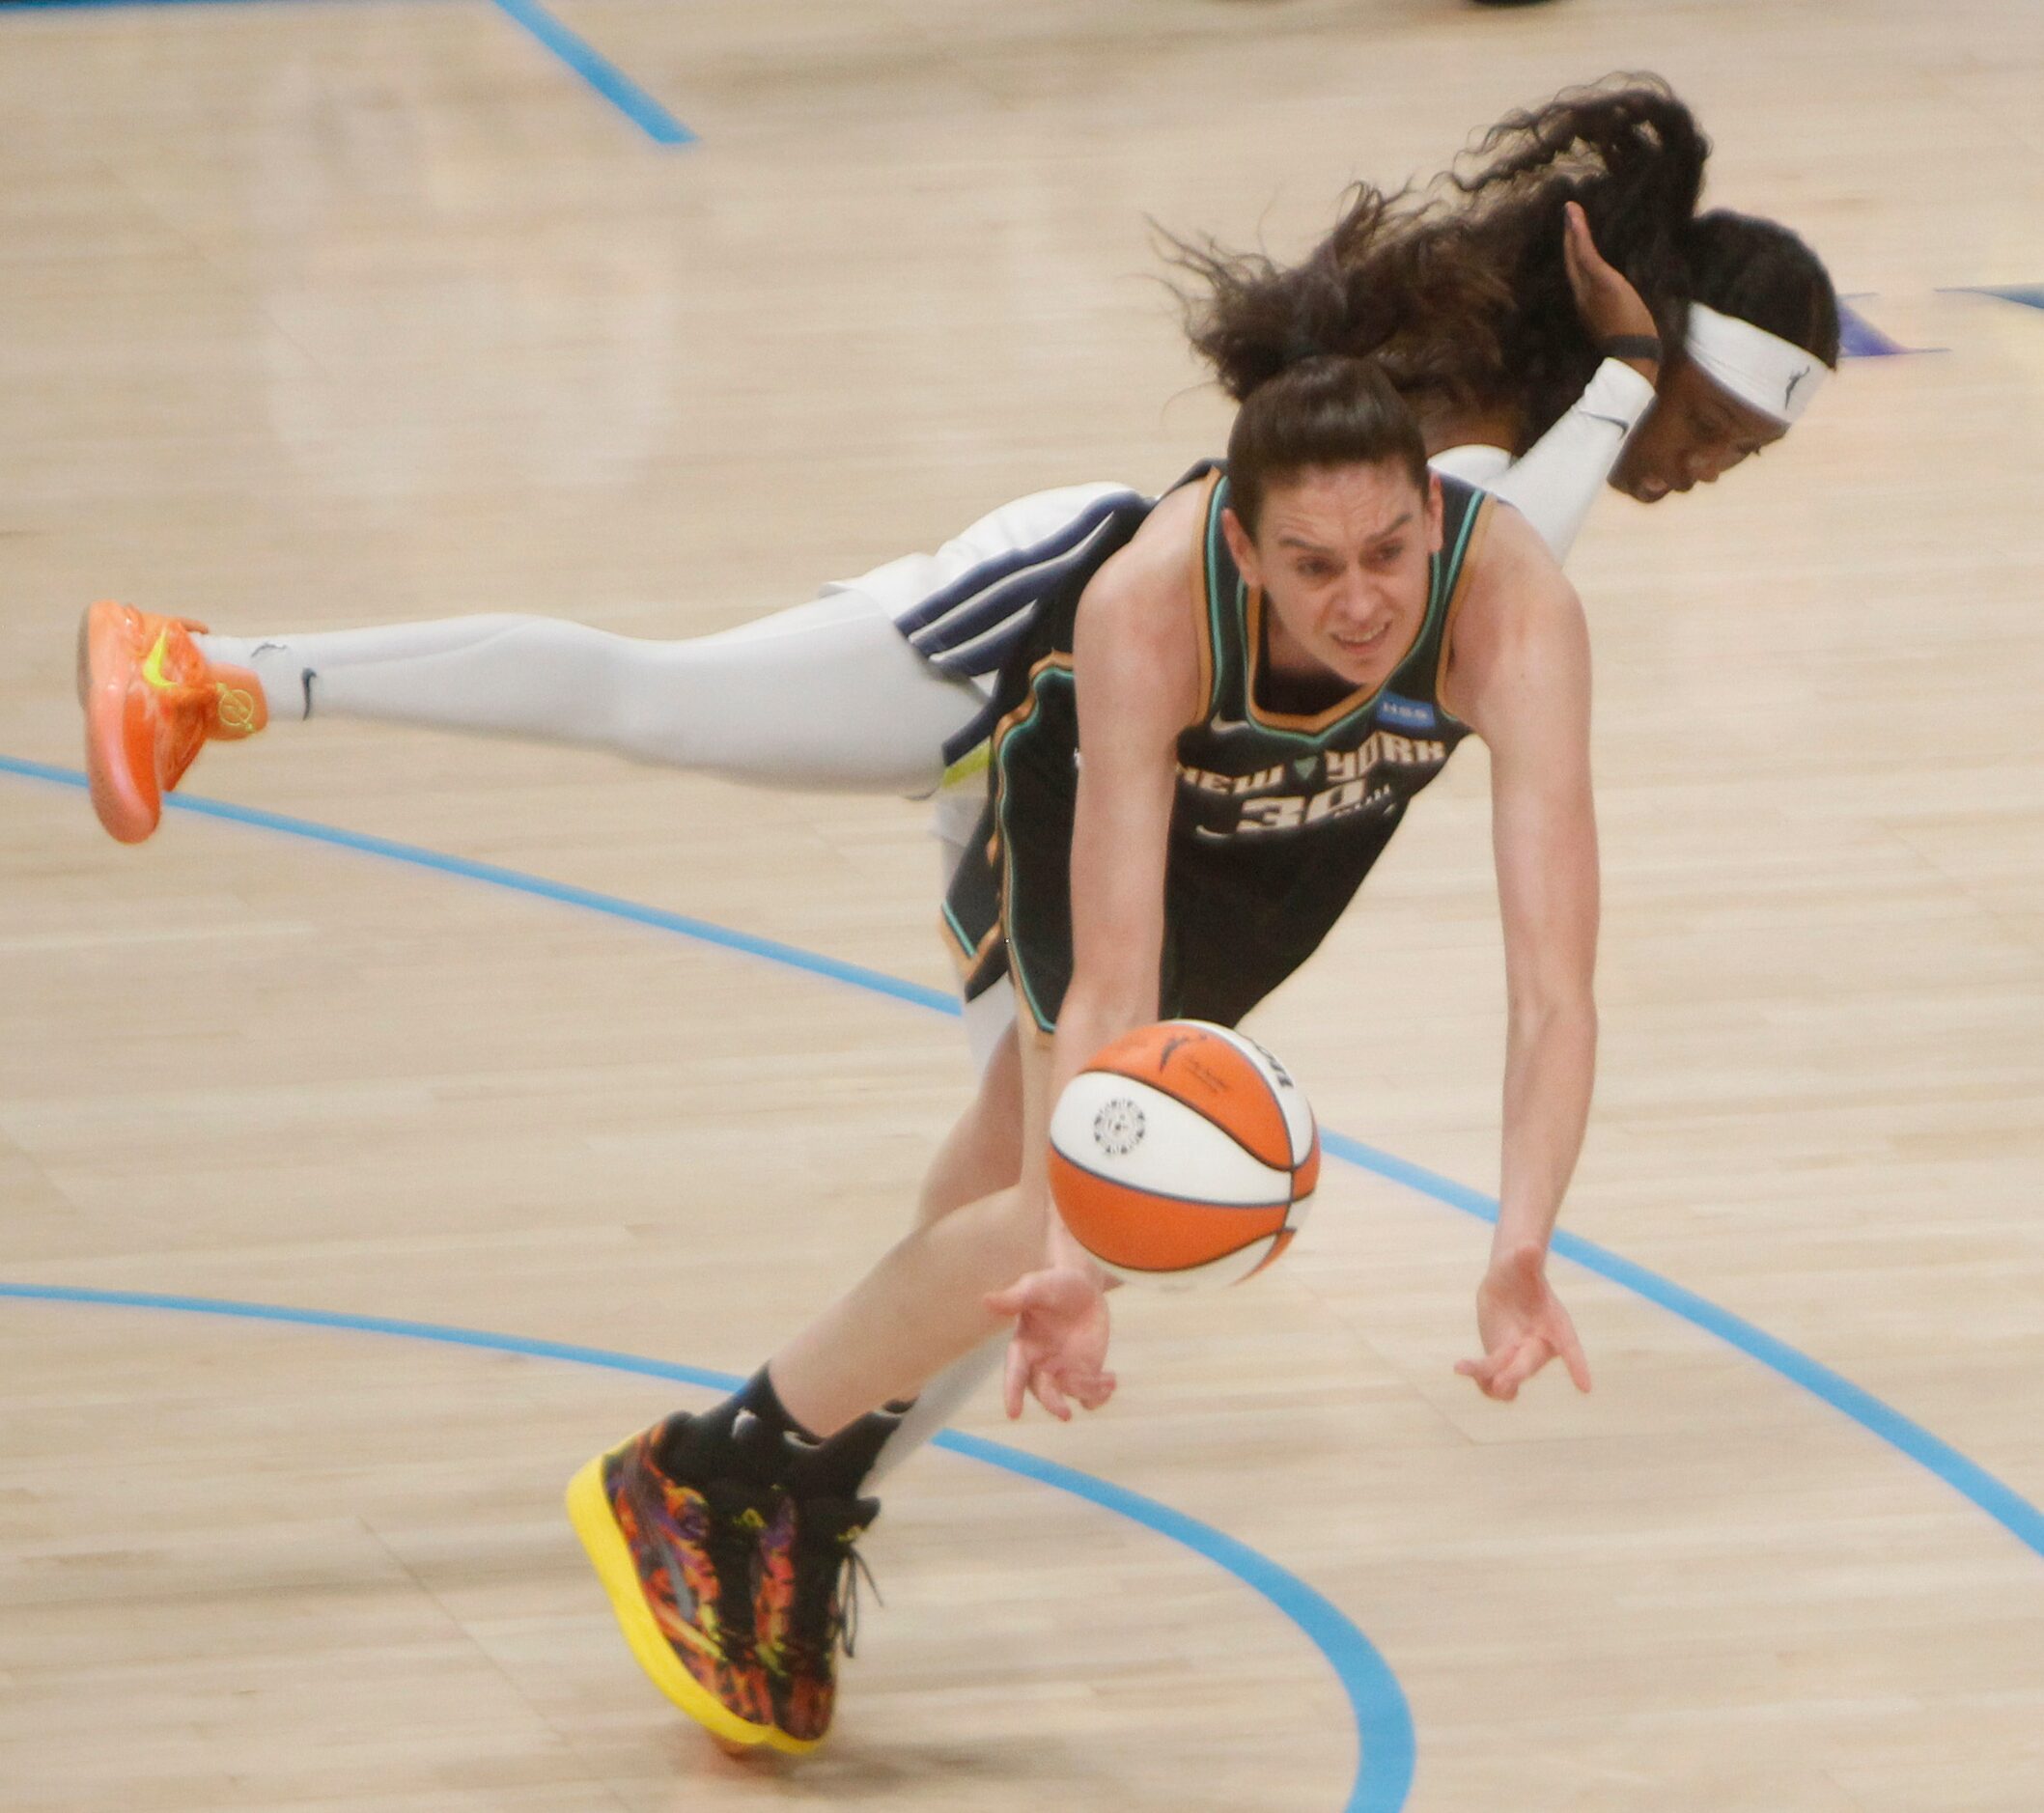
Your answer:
<point x="824" y="696"/>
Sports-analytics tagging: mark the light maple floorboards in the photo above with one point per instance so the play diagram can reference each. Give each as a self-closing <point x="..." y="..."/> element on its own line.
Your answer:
<point x="317" y="314"/>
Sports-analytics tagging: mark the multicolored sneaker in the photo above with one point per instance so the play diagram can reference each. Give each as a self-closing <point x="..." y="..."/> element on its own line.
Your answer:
<point x="152" y="700"/>
<point x="680" y="1559"/>
<point x="807" y="1606"/>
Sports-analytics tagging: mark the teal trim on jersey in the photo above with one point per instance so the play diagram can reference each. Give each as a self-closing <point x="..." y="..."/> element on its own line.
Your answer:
<point x="1016" y="967"/>
<point x="1448" y="574"/>
<point x="1217" y="550"/>
<point x="958" y="930"/>
<point x="1441" y="579"/>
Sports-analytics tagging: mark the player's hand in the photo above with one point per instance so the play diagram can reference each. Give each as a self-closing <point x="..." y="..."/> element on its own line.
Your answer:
<point x="1606" y="302"/>
<point x="1060" y="1346"/>
<point x="1522" y="1326"/>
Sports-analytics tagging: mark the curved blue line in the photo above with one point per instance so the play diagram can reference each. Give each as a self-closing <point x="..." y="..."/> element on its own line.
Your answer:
<point x="1383" y="1726"/>
<point x="2007" y="1507"/>
<point x="2015" y="1514"/>
<point x="702" y="931"/>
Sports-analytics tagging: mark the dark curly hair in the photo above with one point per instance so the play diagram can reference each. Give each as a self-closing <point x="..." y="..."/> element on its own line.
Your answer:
<point x="1459" y="288"/>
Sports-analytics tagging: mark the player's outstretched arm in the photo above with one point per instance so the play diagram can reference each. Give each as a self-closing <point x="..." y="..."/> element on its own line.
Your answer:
<point x="1135" y="669"/>
<point x="1520" y="674"/>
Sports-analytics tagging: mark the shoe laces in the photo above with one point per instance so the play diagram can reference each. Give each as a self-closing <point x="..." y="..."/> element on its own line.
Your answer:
<point x="828" y="1570"/>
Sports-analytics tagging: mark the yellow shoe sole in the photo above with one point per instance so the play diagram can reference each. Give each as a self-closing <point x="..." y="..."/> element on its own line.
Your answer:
<point x="589" y="1511"/>
<point x="780" y="1740"/>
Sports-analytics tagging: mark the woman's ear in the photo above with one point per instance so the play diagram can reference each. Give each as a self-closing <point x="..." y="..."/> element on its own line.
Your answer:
<point x="1245" y="549"/>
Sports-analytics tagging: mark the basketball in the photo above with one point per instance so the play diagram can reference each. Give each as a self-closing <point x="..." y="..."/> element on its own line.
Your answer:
<point x="1184" y="1155"/>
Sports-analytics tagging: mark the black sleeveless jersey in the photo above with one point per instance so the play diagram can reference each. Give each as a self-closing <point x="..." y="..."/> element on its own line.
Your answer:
<point x="1280" y="815"/>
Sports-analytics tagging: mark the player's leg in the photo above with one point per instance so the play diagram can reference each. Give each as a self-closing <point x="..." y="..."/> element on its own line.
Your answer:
<point x="727" y="1585"/>
<point x="923" y="1301"/>
<point x="789" y="700"/>
<point x="982" y="1154"/>
<point x="923" y="1305"/>
<point x="827" y="695"/>
<point x="868" y="688"/>
<point x="795" y="1443"/>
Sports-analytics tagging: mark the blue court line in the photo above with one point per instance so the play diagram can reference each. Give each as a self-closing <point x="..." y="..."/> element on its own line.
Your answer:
<point x="612" y="906"/>
<point x="579" y="56"/>
<point x="2008" y="1508"/>
<point x="1384" y="1725"/>
<point x="599" y="72"/>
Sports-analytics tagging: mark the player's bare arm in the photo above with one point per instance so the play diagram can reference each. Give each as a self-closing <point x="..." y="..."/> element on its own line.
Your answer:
<point x="1518" y="674"/>
<point x="1136" y="670"/>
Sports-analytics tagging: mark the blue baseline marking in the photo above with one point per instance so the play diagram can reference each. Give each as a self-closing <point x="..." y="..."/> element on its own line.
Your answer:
<point x="1383" y="1726"/>
<point x="575" y="52"/>
<point x="599" y="72"/>
<point x="2008" y="1508"/>
<point x="790" y="956"/>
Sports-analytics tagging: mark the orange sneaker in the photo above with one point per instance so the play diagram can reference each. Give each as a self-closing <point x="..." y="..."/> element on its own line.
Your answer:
<point x="151" y="700"/>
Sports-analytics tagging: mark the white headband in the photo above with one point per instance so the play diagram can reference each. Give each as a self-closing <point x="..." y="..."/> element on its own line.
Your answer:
<point x="1762" y="369"/>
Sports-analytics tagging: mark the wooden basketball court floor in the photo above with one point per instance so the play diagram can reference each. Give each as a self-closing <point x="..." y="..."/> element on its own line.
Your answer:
<point x="323" y="314"/>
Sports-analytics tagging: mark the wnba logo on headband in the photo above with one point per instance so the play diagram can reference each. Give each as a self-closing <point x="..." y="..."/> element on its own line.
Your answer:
<point x="1763" y="370"/>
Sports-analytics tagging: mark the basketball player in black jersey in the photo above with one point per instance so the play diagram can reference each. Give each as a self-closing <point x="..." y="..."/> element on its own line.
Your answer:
<point x="1263" y="668"/>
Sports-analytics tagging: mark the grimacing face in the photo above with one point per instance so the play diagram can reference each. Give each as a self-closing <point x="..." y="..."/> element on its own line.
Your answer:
<point x="1342" y="556"/>
<point x="1694" y="434"/>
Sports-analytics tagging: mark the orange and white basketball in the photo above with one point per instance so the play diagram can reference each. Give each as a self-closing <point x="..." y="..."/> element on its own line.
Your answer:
<point x="1183" y="1154"/>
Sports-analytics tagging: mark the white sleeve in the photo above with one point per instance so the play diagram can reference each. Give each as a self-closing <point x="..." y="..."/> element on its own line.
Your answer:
<point x="1555" y="482"/>
<point x="1473" y="464"/>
